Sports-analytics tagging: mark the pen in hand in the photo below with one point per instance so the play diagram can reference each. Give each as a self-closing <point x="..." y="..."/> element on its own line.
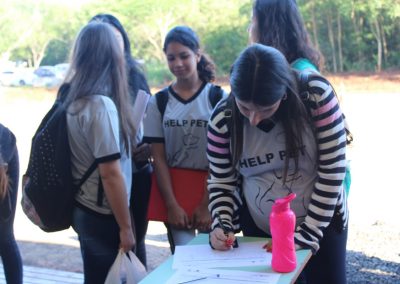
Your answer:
<point x="228" y="242"/>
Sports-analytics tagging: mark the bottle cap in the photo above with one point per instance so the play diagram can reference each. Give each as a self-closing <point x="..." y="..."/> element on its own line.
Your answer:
<point x="283" y="203"/>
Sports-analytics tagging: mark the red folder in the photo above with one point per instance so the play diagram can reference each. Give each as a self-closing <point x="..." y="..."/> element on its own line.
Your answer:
<point x="189" y="187"/>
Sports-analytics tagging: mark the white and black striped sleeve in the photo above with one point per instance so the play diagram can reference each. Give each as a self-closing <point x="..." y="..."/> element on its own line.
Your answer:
<point x="222" y="181"/>
<point x="331" y="143"/>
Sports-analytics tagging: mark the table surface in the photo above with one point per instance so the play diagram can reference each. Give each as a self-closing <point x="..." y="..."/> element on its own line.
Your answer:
<point x="163" y="272"/>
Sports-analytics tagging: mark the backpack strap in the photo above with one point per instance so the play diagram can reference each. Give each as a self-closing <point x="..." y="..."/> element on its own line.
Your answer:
<point x="87" y="174"/>
<point x="215" y="95"/>
<point x="303" y="86"/>
<point x="162" y="100"/>
<point x="100" y="189"/>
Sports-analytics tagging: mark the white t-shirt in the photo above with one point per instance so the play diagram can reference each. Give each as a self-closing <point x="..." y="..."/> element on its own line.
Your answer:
<point x="183" y="129"/>
<point x="261" y="165"/>
<point x="94" y="135"/>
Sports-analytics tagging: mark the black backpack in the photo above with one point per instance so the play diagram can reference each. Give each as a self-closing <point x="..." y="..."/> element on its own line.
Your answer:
<point x="215" y="95"/>
<point x="47" y="188"/>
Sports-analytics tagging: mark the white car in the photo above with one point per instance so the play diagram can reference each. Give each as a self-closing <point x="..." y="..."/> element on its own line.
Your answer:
<point x="16" y="77"/>
<point x="45" y="76"/>
<point x="61" y="70"/>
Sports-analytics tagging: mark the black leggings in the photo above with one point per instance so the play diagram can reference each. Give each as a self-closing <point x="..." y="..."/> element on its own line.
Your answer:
<point x="328" y="265"/>
<point x="140" y="195"/>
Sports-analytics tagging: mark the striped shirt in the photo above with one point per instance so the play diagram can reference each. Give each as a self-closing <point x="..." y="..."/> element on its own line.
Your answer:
<point x="325" y="195"/>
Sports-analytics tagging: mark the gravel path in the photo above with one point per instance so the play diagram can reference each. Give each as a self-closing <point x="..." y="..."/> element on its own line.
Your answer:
<point x="373" y="253"/>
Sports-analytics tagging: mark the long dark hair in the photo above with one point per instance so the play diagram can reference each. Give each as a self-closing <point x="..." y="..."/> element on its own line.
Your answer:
<point x="98" y="67"/>
<point x="187" y="37"/>
<point x="279" y="24"/>
<point x="259" y="74"/>
<point x="136" y="77"/>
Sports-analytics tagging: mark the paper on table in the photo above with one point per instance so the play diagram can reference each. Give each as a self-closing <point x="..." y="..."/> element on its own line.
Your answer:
<point x="139" y="107"/>
<point x="203" y="256"/>
<point x="219" y="276"/>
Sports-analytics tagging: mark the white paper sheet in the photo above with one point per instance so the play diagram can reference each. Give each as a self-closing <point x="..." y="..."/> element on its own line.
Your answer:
<point x="203" y="256"/>
<point x="220" y="276"/>
<point x="139" y="107"/>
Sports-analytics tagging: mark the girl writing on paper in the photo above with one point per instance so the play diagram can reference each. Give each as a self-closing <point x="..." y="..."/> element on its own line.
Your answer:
<point x="178" y="133"/>
<point x="100" y="130"/>
<point x="265" y="134"/>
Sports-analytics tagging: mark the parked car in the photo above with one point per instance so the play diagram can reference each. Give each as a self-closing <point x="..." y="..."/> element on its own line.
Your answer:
<point x="6" y="77"/>
<point x="61" y="70"/>
<point x="16" y="77"/>
<point x="45" y="76"/>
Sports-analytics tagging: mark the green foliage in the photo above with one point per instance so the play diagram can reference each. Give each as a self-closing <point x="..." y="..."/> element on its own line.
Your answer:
<point x="157" y="73"/>
<point x="57" y="52"/>
<point x="42" y="31"/>
<point x="232" y="40"/>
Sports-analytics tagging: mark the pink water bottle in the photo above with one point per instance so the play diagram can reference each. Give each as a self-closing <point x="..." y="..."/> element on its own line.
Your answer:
<point x="282" y="222"/>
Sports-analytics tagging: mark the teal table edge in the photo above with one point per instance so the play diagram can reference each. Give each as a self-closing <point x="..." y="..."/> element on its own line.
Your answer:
<point x="163" y="272"/>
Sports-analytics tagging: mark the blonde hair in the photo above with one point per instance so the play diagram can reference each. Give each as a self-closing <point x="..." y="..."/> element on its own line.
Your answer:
<point x="3" y="178"/>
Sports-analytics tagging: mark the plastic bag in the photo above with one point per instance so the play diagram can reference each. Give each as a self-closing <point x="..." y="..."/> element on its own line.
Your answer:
<point x="126" y="270"/>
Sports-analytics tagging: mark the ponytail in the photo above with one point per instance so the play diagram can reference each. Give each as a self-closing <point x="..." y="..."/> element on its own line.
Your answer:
<point x="206" y="68"/>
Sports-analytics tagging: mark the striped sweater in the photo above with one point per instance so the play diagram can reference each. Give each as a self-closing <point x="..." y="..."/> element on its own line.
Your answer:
<point x="327" y="197"/>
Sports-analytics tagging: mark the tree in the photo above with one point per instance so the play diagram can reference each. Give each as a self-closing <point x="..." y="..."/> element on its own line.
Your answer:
<point x="231" y="40"/>
<point x="43" y="21"/>
<point x="13" y="33"/>
<point x="351" y="34"/>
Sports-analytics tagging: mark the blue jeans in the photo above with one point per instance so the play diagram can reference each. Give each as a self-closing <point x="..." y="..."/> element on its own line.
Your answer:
<point x="99" y="241"/>
<point x="328" y="265"/>
<point x="9" y="251"/>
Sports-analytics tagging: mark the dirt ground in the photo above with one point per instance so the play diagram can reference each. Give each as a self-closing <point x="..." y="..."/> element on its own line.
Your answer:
<point x="370" y="102"/>
<point x="367" y="82"/>
<point x="355" y="82"/>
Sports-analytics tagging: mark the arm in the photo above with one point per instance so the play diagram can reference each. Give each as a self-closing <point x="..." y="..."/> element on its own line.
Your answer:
<point x="10" y="157"/>
<point x="222" y="182"/>
<point x="114" y="189"/>
<point x="142" y="153"/>
<point x="201" y="218"/>
<point x="176" y="215"/>
<point x="331" y="142"/>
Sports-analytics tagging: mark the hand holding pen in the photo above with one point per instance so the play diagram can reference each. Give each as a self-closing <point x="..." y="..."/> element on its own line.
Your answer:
<point x="221" y="238"/>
